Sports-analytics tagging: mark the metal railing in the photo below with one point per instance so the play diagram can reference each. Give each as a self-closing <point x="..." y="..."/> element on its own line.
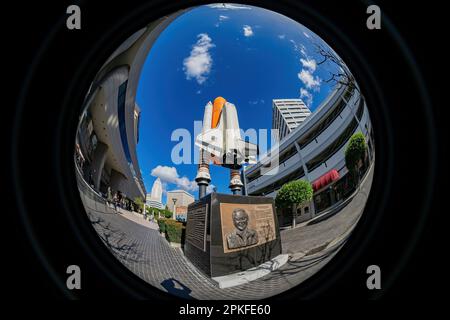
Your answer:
<point x="91" y="199"/>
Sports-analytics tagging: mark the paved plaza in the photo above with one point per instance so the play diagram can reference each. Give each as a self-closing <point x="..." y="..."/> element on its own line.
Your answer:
<point x="139" y="246"/>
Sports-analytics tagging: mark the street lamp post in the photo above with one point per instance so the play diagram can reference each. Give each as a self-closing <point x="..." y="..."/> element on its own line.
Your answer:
<point x="174" y="207"/>
<point x="144" y="214"/>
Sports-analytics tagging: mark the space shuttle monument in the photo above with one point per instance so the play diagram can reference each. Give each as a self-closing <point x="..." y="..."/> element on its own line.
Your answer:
<point x="227" y="234"/>
<point x="220" y="142"/>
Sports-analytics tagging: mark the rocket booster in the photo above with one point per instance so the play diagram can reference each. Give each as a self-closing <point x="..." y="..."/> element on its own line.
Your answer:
<point x="221" y="136"/>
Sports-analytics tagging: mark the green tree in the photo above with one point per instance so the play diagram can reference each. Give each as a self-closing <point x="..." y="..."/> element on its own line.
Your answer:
<point x="293" y="195"/>
<point x="354" y="153"/>
<point x="139" y="203"/>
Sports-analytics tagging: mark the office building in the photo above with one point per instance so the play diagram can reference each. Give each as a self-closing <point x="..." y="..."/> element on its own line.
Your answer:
<point x="315" y="151"/>
<point x="182" y="199"/>
<point x="288" y="114"/>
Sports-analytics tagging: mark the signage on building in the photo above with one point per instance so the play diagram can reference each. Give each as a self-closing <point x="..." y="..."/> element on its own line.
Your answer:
<point x="196" y="229"/>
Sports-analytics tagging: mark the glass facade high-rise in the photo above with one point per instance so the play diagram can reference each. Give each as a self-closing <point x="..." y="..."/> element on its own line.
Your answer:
<point x="288" y="114"/>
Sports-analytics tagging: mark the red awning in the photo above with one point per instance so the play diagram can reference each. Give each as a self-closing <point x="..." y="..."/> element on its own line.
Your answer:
<point x="325" y="179"/>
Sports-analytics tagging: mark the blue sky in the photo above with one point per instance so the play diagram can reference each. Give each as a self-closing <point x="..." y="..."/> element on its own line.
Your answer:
<point x="247" y="55"/>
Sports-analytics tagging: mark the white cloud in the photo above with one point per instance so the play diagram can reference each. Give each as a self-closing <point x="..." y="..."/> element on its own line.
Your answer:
<point x="309" y="80"/>
<point x="199" y="63"/>
<point x="228" y="6"/>
<point x="248" y="32"/>
<point x="306" y="96"/>
<point x="170" y="175"/>
<point x="222" y="18"/>
<point x="306" y="35"/>
<point x="309" y="64"/>
<point x="255" y="102"/>
<point x="303" y="50"/>
<point x="299" y="48"/>
<point x="186" y="184"/>
<point x="281" y="36"/>
<point x="166" y="174"/>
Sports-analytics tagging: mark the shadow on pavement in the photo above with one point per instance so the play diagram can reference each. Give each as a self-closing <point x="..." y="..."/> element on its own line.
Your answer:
<point x="116" y="241"/>
<point x="177" y="288"/>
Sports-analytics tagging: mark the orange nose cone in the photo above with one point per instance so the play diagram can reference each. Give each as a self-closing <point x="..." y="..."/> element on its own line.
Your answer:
<point x="219" y="102"/>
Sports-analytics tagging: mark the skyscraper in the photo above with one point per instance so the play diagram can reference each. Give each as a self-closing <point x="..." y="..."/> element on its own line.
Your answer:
<point x="154" y="199"/>
<point x="288" y="114"/>
<point x="157" y="190"/>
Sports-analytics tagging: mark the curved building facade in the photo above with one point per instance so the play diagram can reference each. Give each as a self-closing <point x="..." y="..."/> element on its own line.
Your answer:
<point x="108" y="130"/>
<point x="315" y="151"/>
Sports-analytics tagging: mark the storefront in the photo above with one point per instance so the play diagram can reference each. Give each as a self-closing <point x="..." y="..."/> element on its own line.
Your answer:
<point x="325" y="192"/>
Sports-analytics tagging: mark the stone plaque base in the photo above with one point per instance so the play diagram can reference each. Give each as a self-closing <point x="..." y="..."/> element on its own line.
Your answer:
<point x="226" y="234"/>
<point x="251" y="274"/>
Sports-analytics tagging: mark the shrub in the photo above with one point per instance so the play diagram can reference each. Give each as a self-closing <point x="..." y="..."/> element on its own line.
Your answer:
<point x="174" y="231"/>
<point x="167" y="213"/>
<point x="162" y="225"/>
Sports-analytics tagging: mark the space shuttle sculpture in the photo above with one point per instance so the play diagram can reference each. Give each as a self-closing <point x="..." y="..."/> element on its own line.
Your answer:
<point x="220" y="142"/>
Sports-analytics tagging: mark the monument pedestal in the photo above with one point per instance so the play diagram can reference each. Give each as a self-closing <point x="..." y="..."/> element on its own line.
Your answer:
<point x="251" y="274"/>
<point x="227" y="234"/>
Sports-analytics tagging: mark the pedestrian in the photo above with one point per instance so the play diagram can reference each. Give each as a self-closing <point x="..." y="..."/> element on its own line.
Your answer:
<point x="108" y="196"/>
<point x="115" y="200"/>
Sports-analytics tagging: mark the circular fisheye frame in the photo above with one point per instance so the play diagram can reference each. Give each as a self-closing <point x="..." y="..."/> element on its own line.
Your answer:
<point x="224" y="152"/>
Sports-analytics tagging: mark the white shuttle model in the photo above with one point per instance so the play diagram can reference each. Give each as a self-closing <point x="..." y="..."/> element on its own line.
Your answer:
<point x="221" y="136"/>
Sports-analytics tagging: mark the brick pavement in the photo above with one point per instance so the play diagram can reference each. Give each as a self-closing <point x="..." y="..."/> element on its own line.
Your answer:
<point x="139" y="246"/>
<point x="149" y="256"/>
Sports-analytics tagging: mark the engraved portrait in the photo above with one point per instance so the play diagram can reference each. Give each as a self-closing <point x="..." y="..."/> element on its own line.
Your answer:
<point x="242" y="235"/>
<point x="246" y="225"/>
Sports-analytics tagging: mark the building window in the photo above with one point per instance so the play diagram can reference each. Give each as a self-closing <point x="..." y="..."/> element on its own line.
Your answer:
<point x="322" y="200"/>
<point x="122" y="124"/>
<point x="360" y="111"/>
<point x="137" y="129"/>
<point x="296" y="175"/>
<point x="254" y="176"/>
<point x="333" y="147"/>
<point x="287" y="155"/>
<point x="304" y="141"/>
<point x="349" y="92"/>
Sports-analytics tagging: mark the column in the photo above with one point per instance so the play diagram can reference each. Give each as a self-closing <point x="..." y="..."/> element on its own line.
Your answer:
<point x="235" y="181"/>
<point x="98" y="163"/>
<point x="203" y="177"/>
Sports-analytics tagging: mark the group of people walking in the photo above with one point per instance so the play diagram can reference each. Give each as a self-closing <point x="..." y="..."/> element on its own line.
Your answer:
<point x="118" y="200"/>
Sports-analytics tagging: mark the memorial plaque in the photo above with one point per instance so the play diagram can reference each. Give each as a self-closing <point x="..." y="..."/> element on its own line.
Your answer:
<point x="226" y="234"/>
<point x="196" y="229"/>
<point x="246" y="225"/>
